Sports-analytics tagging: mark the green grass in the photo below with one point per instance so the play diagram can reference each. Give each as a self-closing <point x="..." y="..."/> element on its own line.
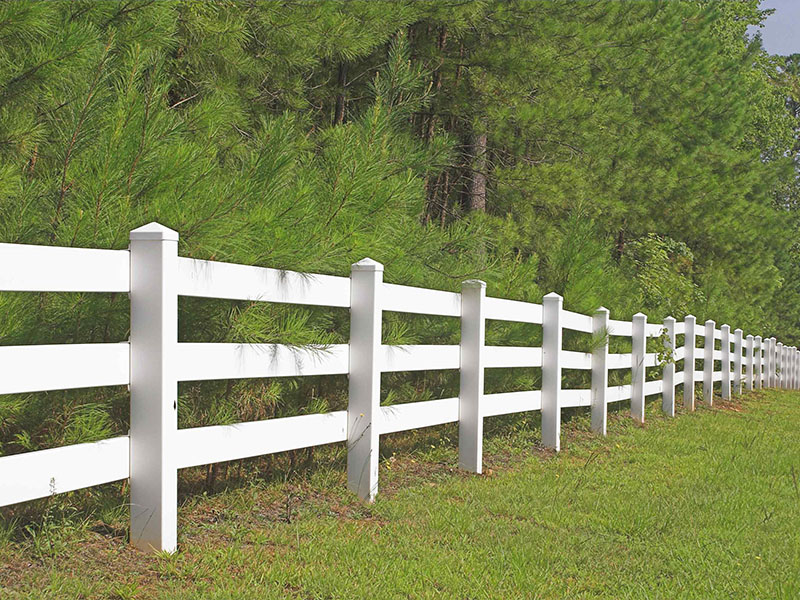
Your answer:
<point x="705" y="505"/>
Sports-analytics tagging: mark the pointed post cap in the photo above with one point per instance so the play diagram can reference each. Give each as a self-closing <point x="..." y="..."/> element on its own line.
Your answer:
<point x="738" y="330"/>
<point x="154" y="231"/>
<point x="366" y="264"/>
<point x="711" y="322"/>
<point x="725" y="326"/>
<point x="553" y="295"/>
<point x="669" y="319"/>
<point x="603" y="310"/>
<point x="640" y="315"/>
<point x="473" y="284"/>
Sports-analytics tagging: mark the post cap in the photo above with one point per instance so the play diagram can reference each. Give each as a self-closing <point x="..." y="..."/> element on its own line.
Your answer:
<point x="711" y="322"/>
<point x="640" y="315"/>
<point x="602" y="309"/>
<point x="473" y="283"/>
<point x="749" y="335"/>
<point x="669" y="319"/>
<point x="553" y="295"/>
<point x="154" y="231"/>
<point x="724" y="326"/>
<point x="738" y="330"/>
<point x="367" y="264"/>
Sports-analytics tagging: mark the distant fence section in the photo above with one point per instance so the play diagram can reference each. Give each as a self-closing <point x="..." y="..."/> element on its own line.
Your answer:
<point x="153" y="362"/>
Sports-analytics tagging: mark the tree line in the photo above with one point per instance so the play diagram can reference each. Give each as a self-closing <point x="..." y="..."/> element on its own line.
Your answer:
<point x="636" y="155"/>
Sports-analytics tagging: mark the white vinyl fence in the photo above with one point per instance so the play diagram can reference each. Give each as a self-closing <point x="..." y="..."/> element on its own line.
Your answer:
<point x="153" y="362"/>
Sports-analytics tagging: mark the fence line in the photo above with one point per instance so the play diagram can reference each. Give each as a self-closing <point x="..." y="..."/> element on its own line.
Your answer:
<point x="153" y="362"/>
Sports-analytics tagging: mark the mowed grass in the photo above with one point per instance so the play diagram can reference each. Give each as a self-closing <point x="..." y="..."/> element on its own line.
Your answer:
<point x="705" y="505"/>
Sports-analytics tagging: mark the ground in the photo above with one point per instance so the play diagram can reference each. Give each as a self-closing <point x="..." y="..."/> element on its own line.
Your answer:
<point x="705" y="505"/>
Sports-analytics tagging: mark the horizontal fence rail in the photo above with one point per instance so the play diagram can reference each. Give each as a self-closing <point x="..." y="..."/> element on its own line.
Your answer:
<point x="153" y="362"/>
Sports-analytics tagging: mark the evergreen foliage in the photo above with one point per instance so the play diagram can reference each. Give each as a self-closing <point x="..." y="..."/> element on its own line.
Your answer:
<point x="638" y="155"/>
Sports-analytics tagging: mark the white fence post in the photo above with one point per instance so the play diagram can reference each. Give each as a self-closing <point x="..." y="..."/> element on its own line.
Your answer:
<point x="738" y="358"/>
<point x="600" y="370"/>
<point x="154" y="388"/>
<point x="470" y="396"/>
<point x="638" y="350"/>
<point x="779" y="366"/>
<point x="725" y="346"/>
<point x="668" y="377"/>
<point x="749" y="383"/>
<point x="758" y="365"/>
<point x="708" y="364"/>
<point x="551" y="370"/>
<point x="689" y="353"/>
<point x="774" y="344"/>
<point x="363" y="408"/>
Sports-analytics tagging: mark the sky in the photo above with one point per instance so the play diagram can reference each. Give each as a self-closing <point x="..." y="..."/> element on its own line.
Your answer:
<point x="781" y="31"/>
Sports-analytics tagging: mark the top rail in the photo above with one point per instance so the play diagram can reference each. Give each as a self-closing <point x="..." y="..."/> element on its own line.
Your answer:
<point x="501" y="309"/>
<point x="620" y="328"/>
<point x="576" y="321"/>
<point x="212" y="279"/>
<point x="407" y="299"/>
<point x="27" y="268"/>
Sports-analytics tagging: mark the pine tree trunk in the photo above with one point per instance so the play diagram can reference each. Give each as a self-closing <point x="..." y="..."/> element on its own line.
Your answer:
<point x="338" y="114"/>
<point x="477" y="180"/>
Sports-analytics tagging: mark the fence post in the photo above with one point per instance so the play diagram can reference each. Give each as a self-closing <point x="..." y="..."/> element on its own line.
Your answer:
<point x="725" y="363"/>
<point x="470" y="396"/>
<point x="774" y="346"/>
<point x="551" y="370"/>
<point x="638" y="351"/>
<point x="154" y="388"/>
<point x="363" y="408"/>
<point x="758" y="344"/>
<point x="738" y="358"/>
<point x="668" y="376"/>
<point x="600" y="370"/>
<point x="779" y="366"/>
<point x="708" y="364"/>
<point x="689" y="353"/>
<point x="749" y="383"/>
<point x="767" y="362"/>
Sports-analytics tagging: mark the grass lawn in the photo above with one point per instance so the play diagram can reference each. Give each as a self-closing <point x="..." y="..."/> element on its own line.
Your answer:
<point x="705" y="505"/>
